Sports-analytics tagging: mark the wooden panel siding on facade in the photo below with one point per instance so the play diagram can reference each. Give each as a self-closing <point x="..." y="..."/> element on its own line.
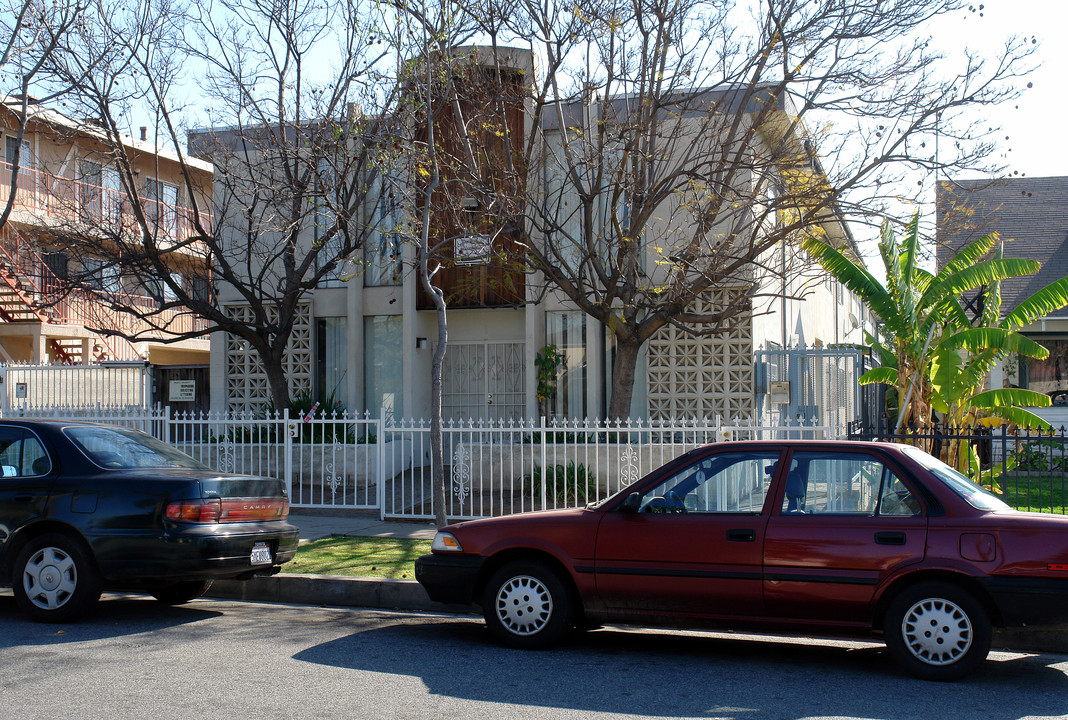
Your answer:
<point x="469" y="211"/>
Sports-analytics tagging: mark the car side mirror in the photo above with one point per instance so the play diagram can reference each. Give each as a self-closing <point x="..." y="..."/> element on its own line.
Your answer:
<point x="630" y="505"/>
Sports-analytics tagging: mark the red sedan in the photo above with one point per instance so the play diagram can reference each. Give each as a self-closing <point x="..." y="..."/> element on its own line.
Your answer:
<point x="836" y="538"/>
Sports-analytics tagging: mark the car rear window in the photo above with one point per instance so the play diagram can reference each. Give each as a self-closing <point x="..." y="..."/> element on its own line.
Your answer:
<point x="975" y="495"/>
<point x="122" y="449"/>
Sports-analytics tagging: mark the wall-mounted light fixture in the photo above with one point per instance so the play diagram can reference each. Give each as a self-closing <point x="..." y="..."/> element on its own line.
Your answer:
<point x="420" y="343"/>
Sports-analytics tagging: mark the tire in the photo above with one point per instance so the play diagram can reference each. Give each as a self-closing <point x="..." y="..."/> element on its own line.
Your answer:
<point x="181" y="592"/>
<point x="55" y="579"/>
<point x="527" y="605"/>
<point x="937" y="631"/>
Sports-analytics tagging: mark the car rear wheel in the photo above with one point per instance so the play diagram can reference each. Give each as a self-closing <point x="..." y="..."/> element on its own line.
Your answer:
<point x="937" y="631"/>
<point x="55" y="579"/>
<point x="527" y="605"/>
<point x="181" y="592"/>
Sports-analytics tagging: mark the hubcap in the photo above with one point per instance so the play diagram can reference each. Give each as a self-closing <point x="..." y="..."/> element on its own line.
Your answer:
<point x="936" y="631"/>
<point x="524" y="605"/>
<point x="50" y="578"/>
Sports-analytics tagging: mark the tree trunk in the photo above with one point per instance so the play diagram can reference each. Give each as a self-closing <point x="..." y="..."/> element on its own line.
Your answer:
<point x="277" y="381"/>
<point x="436" y="445"/>
<point x="623" y="368"/>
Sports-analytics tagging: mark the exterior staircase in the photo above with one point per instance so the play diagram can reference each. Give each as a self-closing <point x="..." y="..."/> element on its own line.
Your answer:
<point x="16" y="302"/>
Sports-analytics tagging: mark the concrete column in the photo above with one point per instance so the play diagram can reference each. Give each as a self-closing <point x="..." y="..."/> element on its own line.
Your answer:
<point x="40" y="348"/>
<point x="354" y="347"/>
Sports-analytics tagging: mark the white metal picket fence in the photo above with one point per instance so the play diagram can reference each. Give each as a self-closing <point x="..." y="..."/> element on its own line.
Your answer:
<point x="491" y="468"/>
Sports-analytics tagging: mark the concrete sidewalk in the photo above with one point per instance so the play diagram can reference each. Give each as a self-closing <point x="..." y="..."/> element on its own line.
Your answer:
<point x="315" y="524"/>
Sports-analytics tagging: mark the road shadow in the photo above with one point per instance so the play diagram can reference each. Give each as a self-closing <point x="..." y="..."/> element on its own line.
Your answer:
<point x="659" y="674"/>
<point x="116" y="615"/>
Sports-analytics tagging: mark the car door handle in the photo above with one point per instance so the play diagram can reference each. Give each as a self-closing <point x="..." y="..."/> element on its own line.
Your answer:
<point x="741" y="535"/>
<point x="890" y="538"/>
<point x="22" y="498"/>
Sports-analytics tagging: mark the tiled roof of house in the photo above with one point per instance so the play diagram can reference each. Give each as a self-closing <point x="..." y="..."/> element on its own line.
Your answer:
<point x="1030" y="216"/>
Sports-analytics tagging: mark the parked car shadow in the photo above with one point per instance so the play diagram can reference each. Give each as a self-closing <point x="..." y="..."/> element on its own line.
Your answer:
<point x="653" y="673"/>
<point x="116" y="615"/>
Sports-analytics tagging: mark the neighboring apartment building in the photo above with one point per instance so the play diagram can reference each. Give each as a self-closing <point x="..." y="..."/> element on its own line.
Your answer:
<point x="69" y="187"/>
<point x="1030" y="216"/>
<point x="369" y="339"/>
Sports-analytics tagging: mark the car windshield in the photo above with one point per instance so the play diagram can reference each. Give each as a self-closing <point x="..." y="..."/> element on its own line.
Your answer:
<point x="977" y="496"/>
<point x="121" y="449"/>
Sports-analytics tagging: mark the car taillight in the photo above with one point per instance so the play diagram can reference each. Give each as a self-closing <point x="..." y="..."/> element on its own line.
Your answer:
<point x="195" y="511"/>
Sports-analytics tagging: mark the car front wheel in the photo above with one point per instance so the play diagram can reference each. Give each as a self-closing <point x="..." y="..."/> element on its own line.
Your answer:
<point x="181" y="592"/>
<point x="55" y="579"/>
<point x="937" y="631"/>
<point x="527" y="605"/>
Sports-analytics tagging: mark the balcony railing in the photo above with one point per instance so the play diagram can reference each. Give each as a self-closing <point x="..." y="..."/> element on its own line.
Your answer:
<point x="89" y="307"/>
<point x="109" y="209"/>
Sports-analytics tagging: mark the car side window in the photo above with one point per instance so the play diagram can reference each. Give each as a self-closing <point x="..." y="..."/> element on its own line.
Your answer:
<point x="21" y="454"/>
<point x="819" y="483"/>
<point x="721" y="483"/>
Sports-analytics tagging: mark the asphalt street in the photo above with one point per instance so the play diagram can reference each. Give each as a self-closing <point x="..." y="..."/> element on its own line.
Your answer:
<point x="133" y="658"/>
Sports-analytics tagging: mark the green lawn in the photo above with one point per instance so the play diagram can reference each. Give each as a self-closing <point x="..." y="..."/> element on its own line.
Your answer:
<point x="1037" y="494"/>
<point x="359" y="556"/>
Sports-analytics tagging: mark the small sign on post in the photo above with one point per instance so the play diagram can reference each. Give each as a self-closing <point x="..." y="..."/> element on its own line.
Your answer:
<point x="183" y="391"/>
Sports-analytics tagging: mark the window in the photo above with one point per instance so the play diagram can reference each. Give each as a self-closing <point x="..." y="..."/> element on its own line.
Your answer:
<point x="845" y="484"/>
<point x="90" y="183"/>
<point x="21" y="454"/>
<point x="99" y="275"/>
<point x="161" y="205"/>
<point x="331" y="361"/>
<point x="567" y="331"/>
<point x="383" y="364"/>
<point x="721" y="483"/>
<point x="328" y="247"/>
<point x="382" y="252"/>
<point x="11" y="143"/>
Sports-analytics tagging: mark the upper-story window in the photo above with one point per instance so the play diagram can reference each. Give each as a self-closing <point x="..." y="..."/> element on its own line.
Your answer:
<point x="99" y="275"/>
<point x="328" y="242"/>
<point x="382" y="251"/>
<point x="11" y="143"/>
<point x="161" y="207"/>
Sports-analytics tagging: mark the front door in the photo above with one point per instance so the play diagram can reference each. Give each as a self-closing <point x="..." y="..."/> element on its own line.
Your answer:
<point x="693" y="544"/>
<point x="846" y="522"/>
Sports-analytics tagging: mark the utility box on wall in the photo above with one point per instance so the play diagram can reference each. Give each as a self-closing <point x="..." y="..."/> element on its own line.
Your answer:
<point x="779" y="392"/>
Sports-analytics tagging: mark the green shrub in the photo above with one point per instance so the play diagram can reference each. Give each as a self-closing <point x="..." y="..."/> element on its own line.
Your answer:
<point x="571" y="484"/>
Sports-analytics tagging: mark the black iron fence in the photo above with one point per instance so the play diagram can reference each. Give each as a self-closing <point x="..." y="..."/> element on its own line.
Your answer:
<point x="1028" y="469"/>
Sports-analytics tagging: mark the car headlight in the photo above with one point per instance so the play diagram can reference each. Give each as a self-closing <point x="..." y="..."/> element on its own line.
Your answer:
<point x="445" y="542"/>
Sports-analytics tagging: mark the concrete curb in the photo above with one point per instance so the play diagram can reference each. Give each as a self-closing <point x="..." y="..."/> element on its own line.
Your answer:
<point x="409" y="595"/>
<point x="334" y="590"/>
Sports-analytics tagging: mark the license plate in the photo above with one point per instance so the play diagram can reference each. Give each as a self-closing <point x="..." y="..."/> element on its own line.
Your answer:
<point x="261" y="554"/>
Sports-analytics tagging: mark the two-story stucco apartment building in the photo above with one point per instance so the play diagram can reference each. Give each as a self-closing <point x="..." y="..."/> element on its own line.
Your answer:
<point x="367" y="336"/>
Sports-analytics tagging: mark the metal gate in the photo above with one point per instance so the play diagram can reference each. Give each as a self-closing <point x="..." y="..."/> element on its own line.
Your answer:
<point x="483" y="381"/>
<point x="811" y="385"/>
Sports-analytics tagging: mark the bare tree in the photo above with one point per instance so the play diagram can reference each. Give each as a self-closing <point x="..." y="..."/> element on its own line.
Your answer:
<point x="446" y="156"/>
<point x="30" y="33"/>
<point x="687" y="145"/>
<point x="291" y="141"/>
